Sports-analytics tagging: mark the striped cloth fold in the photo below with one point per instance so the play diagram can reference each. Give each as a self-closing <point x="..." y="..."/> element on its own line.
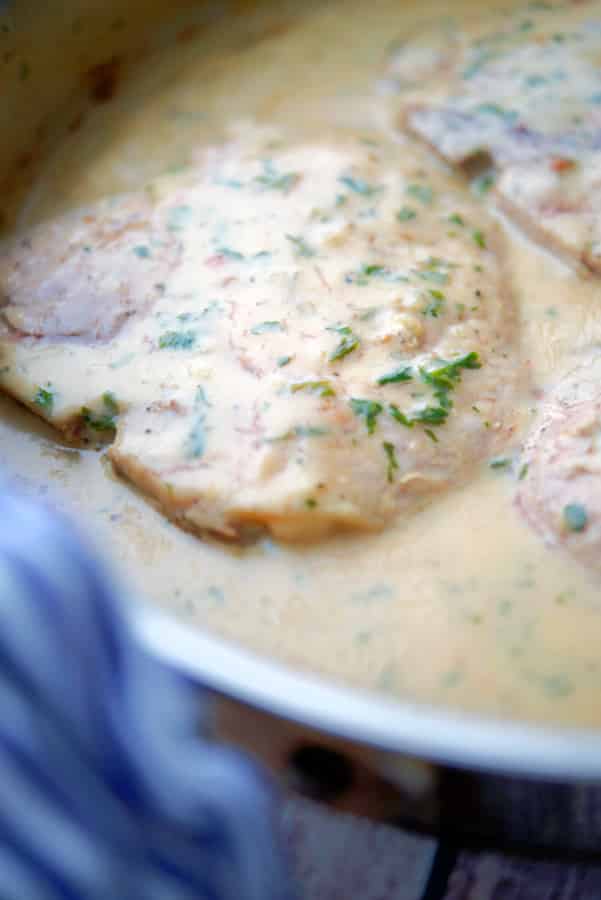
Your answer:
<point x="106" y="788"/>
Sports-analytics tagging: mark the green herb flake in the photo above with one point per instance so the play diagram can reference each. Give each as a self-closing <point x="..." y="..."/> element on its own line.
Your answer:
<point x="406" y="214"/>
<point x="393" y="464"/>
<point x="309" y="431"/>
<point x="177" y="340"/>
<point x="443" y="379"/>
<point x="273" y="180"/>
<point x="104" y="420"/>
<point x="368" y="314"/>
<point x="230" y="254"/>
<point x="310" y="502"/>
<point x="372" y="269"/>
<point x="421" y="192"/>
<point x="301" y="247"/>
<point x="483" y="183"/>
<point x="500" y="462"/>
<point x="482" y="58"/>
<point x="348" y="342"/>
<point x="493" y="109"/>
<point x="431" y="435"/>
<point x="44" y="398"/>
<point x="369" y="409"/>
<point x="557" y="686"/>
<point x="431" y="415"/>
<point x="262" y="327"/>
<point x="436" y="303"/>
<point x="397" y="376"/>
<point x="456" y="219"/>
<point x="283" y="361"/>
<point x="299" y="431"/>
<point x="575" y="517"/>
<point x="110" y="403"/>
<point x="523" y="472"/>
<point x="179" y="218"/>
<point x="142" y="252"/>
<point x="196" y="442"/>
<point x="321" y="388"/>
<point x="479" y="239"/>
<point x="399" y="416"/>
<point x="359" y="186"/>
<point x="434" y="275"/>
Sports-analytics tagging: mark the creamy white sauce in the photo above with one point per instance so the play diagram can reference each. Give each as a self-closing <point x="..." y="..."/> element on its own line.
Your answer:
<point x="459" y="604"/>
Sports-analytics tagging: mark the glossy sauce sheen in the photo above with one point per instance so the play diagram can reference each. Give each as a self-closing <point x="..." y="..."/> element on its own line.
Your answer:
<point x="458" y="603"/>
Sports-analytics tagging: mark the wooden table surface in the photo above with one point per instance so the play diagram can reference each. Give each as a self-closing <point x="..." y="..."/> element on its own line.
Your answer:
<point x="337" y="856"/>
<point x="342" y="851"/>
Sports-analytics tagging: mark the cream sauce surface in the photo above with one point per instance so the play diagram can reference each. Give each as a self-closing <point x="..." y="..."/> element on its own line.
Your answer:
<point x="460" y="604"/>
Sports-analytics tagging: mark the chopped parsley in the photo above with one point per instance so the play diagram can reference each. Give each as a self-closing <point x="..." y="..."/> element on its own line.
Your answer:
<point x="283" y="361"/>
<point x="493" y="109"/>
<point x="299" y="431"/>
<point x="321" y="388"/>
<point x="482" y="58"/>
<point x="301" y="247"/>
<point x="262" y="327"/>
<point x="421" y="192"/>
<point x="434" y="270"/>
<point x="348" y="342"/>
<point x="482" y="183"/>
<point x="273" y="180"/>
<point x="310" y="502"/>
<point x="177" y="340"/>
<point x="105" y="419"/>
<point x="435" y="305"/>
<point x="431" y="435"/>
<point x="196" y="442"/>
<point x="44" y="398"/>
<point x="373" y="270"/>
<point x="359" y="186"/>
<point x="500" y="462"/>
<point x="309" y="431"/>
<point x="369" y="409"/>
<point x="434" y="275"/>
<point x="399" y="416"/>
<point x="456" y="219"/>
<point x="444" y="378"/>
<point x="575" y="517"/>
<point x="229" y="253"/>
<point x="406" y="214"/>
<point x="179" y="217"/>
<point x="431" y="415"/>
<point x="479" y="238"/>
<point x="402" y="374"/>
<point x="393" y="464"/>
<point x="523" y="472"/>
